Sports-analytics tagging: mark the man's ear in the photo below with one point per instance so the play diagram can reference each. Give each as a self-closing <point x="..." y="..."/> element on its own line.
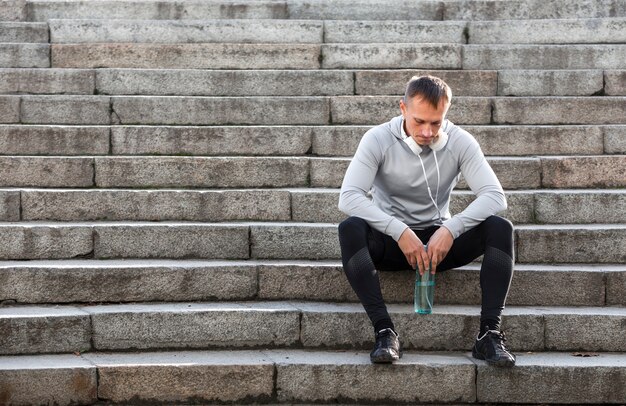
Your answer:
<point x="403" y="107"/>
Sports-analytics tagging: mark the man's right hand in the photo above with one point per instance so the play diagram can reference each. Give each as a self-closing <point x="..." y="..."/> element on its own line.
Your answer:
<point x="413" y="250"/>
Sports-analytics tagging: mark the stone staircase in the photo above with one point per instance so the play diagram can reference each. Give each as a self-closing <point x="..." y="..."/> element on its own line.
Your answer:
<point x="169" y="176"/>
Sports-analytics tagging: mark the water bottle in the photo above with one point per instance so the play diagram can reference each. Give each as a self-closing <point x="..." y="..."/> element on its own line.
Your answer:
<point x="424" y="290"/>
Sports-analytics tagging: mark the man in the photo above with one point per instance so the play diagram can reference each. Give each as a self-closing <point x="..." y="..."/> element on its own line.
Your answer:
<point x="409" y="166"/>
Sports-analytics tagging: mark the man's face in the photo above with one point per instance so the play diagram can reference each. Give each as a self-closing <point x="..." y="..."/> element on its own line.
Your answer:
<point x="422" y="121"/>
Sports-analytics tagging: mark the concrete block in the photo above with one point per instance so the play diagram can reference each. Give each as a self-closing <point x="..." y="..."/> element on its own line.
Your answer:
<point x="387" y="56"/>
<point x="32" y="330"/>
<point x="556" y="378"/>
<point x="616" y="287"/>
<point x="13" y="10"/>
<point x="337" y="140"/>
<point x="168" y="377"/>
<point x="579" y="172"/>
<point x="336" y="31"/>
<point x="9" y="109"/>
<point x="571" y="243"/>
<point x="191" y="82"/>
<point x="462" y="83"/>
<point x="548" y="31"/>
<point x="512" y="56"/>
<point x="226" y="172"/>
<point x="514" y="173"/>
<point x="22" y="32"/>
<point x="24" y="55"/>
<point x="172" y="240"/>
<point x="54" y="140"/>
<point x="520" y="206"/>
<point x="9" y="205"/>
<point x="186" y="56"/>
<point x="615" y="139"/>
<point x="48" y="379"/>
<point x="138" y="205"/>
<point x="328" y="172"/>
<point x="615" y="82"/>
<point x="363" y="10"/>
<point x="580" y="207"/>
<point x="185" y="31"/>
<point x="550" y="83"/>
<point x="47" y="81"/>
<point x="45" y="242"/>
<point x="506" y="140"/>
<point x="46" y="171"/>
<point x="65" y="110"/>
<point x="317" y="207"/>
<point x="294" y="241"/>
<point x="164" y="140"/>
<point x="194" y="325"/>
<point x="562" y="110"/>
<point x="586" y="329"/>
<point x="220" y="110"/>
<point x="379" y="109"/>
<point x="126" y="281"/>
<point x="326" y="376"/>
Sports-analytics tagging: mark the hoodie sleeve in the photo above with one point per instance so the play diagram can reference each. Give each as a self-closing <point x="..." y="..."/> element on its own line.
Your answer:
<point x="358" y="181"/>
<point x="483" y="182"/>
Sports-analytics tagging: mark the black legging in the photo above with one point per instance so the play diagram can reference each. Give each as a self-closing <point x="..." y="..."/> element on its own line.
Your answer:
<point x="364" y="250"/>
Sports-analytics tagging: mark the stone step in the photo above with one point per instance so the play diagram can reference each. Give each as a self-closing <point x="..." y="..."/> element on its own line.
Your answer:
<point x="24" y="55"/>
<point x="142" y="326"/>
<point x="615" y="82"/>
<point x="102" y="281"/>
<point x="298" y="376"/>
<point x="23" y="32"/>
<point x="47" y="81"/>
<point x="574" y="31"/>
<point x="301" y="205"/>
<point x="336" y="31"/>
<point x="54" y="140"/>
<point x="13" y="10"/>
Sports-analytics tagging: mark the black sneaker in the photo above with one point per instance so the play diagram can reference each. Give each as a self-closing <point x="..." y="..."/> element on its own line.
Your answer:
<point x="490" y="347"/>
<point x="387" y="347"/>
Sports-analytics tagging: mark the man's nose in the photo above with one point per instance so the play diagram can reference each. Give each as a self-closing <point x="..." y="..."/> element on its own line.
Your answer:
<point x="426" y="132"/>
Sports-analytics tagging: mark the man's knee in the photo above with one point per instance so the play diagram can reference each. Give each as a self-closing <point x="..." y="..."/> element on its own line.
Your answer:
<point x="499" y="225"/>
<point x="352" y="226"/>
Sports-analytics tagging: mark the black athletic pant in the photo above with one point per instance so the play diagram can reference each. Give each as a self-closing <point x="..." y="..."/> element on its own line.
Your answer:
<point x="365" y="250"/>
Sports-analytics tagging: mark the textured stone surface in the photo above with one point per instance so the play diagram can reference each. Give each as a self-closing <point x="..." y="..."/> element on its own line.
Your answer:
<point x="549" y="82"/>
<point x="581" y="31"/>
<point x="579" y="172"/>
<point x="314" y="206"/>
<point x="9" y="109"/>
<point x="616" y="287"/>
<point x="164" y="140"/>
<point x="394" y="31"/>
<point x="364" y="10"/>
<point x="184" y="376"/>
<point x="53" y="140"/>
<point x="538" y="140"/>
<point x="605" y="243"/>
<point x="581" y="207"/>
<point x="9" y="205"/>
<point x="32" y="330"/>
<point x="587" y="329"/>
<point x="137" y="205"/>
<point x="22" y="32"/>
<point x="48" y="379"/>
<point x="379" y="109"/>
<point x="201" y="325"/>
<point x="555" y="377"/>
<point x="328" y="172"/>
<point x="337" y="140"/>
<point x="386" y="56"/>
<point x="615" y="82"/>
<point x="47" y="81"/>
<point x="220" y="110"/>
<point x="45" y="242"/>
<point x="520" y="206"/>
<point x="462" y="83"/>
<point x="121" y="281"/>
<point x="191" y="82"/>
<point x="514" y="173"/>
<point x="172" y="240"/>
<point x="24" y="55"/>
<point x="563" y="110"/>
<point x="186" y="56"/>
<point x="177" y="32"/>
<point x="65" y="110"/>
<point x="294" y="241"/>
<point x="543" y="56"/>
<point x="324" y="377"/>
<point x="224" y="172"/>
<point x="46" y="171"/>
<point x="13" y="10"/>
<point x="615" y="140"/>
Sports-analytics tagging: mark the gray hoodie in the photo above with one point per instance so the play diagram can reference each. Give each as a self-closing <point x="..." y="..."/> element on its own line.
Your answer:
<point x="386" y="169"/>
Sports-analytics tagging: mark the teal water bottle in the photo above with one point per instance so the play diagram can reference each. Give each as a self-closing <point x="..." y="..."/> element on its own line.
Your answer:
<point x="424" y="290"/>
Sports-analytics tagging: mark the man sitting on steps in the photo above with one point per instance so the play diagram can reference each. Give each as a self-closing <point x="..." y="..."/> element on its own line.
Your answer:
<point x="397" y="192"/>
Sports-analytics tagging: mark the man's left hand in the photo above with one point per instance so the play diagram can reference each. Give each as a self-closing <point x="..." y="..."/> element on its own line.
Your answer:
<point x="438" y="247"/>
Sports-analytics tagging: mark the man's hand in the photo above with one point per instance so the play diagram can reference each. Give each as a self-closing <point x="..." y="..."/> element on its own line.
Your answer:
<point x="413" y="250"/>
<point x="438" y="247"/>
